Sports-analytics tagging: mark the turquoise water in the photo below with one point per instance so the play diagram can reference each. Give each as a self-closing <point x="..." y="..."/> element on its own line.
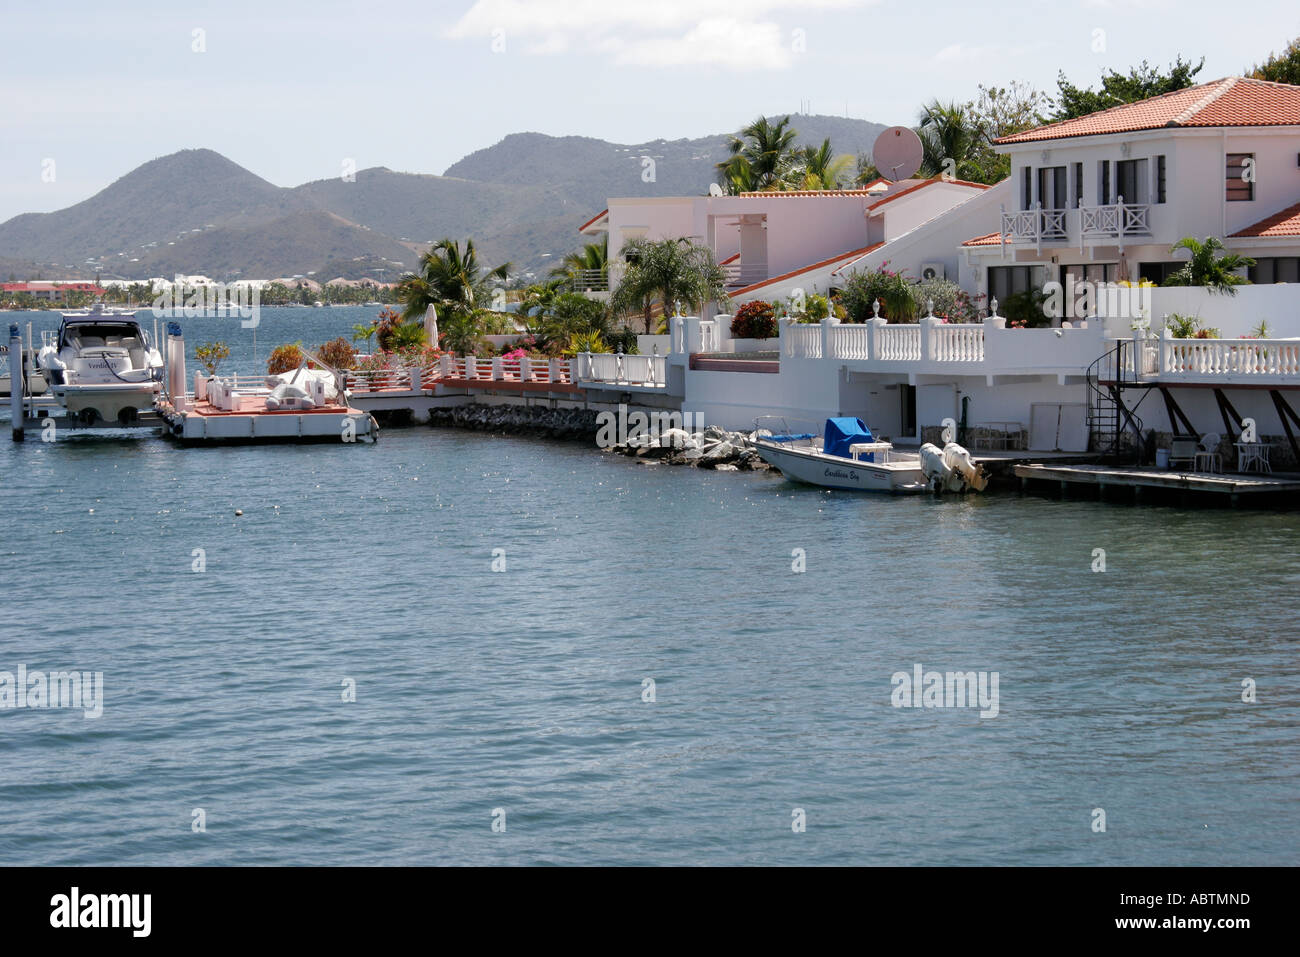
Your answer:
<point x="522" y="689"/>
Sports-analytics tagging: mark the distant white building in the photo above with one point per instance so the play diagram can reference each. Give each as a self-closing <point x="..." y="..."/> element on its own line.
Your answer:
<point x="771" y="243"/>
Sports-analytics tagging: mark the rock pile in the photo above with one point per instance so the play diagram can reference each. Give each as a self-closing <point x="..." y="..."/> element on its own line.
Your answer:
<point x="714" y="448"/>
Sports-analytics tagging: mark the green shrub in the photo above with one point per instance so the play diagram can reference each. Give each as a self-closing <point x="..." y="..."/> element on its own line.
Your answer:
<point x="891" y="289"/>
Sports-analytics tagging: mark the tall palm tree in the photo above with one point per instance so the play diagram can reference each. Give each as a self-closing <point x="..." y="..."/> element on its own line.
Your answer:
<point x="1205" y="268"/>
<point x="667" y="271"/>
<point x="451" y="280"/>
<point x="759" y="157"/>
<point x="948" y="132"/>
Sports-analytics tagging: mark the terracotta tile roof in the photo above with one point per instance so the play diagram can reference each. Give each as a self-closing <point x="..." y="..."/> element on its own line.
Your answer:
<point x="1285" y="223"/>
<point x="1232" y="101"/>
<point x="866" y="191"/>
<point x="852" y="254"/>
<point x="594" y="219"/>
<point x="992" y="239"/>
<point x="803" y="192"/>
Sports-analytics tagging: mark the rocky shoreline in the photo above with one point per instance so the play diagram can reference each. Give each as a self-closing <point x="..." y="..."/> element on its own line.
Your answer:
<point x="713" y="448"/>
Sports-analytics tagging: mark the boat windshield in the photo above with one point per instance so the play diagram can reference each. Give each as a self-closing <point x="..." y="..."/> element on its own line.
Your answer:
<point x="103" y="335"/>
<point x="787" y="431"/>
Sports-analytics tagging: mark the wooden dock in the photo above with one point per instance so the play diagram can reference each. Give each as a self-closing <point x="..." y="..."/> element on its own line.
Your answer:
<point x="1232" y="484"/>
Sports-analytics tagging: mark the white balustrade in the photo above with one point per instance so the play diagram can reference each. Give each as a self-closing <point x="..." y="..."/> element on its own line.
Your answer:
<point x="958" y="342"/>
<point x="896" y="343"/>
<point x="1212" y="358"/>
<point x="851" y="341"/>
<point x="803" y="341"/>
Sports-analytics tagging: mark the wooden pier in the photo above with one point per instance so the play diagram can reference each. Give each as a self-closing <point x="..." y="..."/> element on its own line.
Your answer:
<point x="1230" y="485"/>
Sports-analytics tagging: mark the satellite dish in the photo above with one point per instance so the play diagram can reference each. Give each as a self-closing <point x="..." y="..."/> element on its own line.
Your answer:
<point x="715" y="189"/>
<point x="897" y="153"/>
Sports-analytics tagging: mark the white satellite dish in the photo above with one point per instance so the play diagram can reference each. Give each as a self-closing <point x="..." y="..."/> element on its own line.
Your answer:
<point x="897" y="153"/>
<point x="715" y="189"/>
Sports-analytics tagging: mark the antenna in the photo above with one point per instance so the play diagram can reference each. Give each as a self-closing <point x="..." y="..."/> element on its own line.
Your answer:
<point x="897" y="153"/>
<point x="715" y="189"/>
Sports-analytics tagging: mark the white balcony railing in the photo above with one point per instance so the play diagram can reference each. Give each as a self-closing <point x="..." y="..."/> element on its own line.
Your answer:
<point x="898" y="343"/>
<point x="1117" y="221"/>
<point x="618" y="369"/>
<point x="1209" y="359"/>
<point x="802" y="341"/>
<point x="958" y="343"/>
<point x="589" y="280"/>
<point x="1035" y="226"/>
<point x="743" y="274"/>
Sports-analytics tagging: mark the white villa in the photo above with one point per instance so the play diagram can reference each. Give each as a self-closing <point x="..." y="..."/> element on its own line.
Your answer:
<point x="1101" y="198"/>
<point x="771" y="243"/>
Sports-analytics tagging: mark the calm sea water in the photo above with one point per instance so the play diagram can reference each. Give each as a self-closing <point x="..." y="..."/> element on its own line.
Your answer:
<point x="522" y="689"/>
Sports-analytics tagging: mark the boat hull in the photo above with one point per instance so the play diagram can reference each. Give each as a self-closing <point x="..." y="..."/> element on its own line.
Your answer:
<point x="107" y="400"/>
<point x="832" y="471"/>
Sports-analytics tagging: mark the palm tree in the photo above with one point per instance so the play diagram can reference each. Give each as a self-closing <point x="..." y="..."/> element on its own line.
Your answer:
<point x="592" y="259"/>
<point x="451" y="280"/>
<point x="667" y="271"/>
<point x="760" y="156"/>
<point x="819" y="168"/>
<point x="1205" y="268"/>
<point x="948" y="133"/>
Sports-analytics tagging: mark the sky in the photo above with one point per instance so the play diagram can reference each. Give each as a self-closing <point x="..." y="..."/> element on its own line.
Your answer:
<point x="294" y="91"/>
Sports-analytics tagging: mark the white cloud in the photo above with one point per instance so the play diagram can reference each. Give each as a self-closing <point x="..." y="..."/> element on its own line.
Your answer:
<point x="655" y="33"/>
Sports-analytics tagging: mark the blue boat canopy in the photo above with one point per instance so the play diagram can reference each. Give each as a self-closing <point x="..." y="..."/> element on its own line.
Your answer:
<point x="840" y="433"/>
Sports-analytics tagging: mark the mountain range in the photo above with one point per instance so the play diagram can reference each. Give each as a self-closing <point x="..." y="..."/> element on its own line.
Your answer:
<point x="521" y="200"/>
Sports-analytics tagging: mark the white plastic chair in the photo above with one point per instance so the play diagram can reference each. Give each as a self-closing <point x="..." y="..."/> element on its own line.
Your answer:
<point x="1208" y="453"/>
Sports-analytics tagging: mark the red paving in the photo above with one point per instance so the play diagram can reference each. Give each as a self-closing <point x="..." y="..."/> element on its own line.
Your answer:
<point x="256" y="405"/>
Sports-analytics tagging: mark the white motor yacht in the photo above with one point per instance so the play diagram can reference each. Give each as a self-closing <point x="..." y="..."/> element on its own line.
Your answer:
<point x="102" y="367"/>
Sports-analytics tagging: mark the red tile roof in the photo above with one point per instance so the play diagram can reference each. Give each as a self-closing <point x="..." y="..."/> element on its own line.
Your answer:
<point x="751" y="194"/>
<point x="992" y="239"/>
<point x="866" y="190"/>
<point x="1232" y="101"/>
<point x="1285" y="223"/>
<point x="603" y="212"/>
<point x="852" y="254"/>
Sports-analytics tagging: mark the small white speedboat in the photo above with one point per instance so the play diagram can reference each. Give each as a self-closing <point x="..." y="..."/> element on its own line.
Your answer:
<point x="844" y="456"/>
<point x="101" y="367"/>
<point x="35" y="382"/>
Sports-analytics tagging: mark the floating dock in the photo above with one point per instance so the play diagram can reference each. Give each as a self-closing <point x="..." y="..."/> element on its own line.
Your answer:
<point x="250" y="421"/>
<point x="1230" y="485"/>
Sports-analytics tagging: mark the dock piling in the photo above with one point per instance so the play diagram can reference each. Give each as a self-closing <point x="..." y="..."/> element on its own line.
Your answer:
<point x="17" y="386"/>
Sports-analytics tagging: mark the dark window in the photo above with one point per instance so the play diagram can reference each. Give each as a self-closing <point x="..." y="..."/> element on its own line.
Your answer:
<point x="1006" y="281"/>
<point x="1160" y="179"/>
<point x="1131" y="181"/>
<point x="1240" y="177"/>
<point x="1027" y="189"/>
<point x="1051" y="187"/>
<point x="1275" y="269"/>
<point x="1103" y="187"/>
<point x="1092" y="272"/>
<point x="1158" y="272"/>
<point x="1077" y="199"/>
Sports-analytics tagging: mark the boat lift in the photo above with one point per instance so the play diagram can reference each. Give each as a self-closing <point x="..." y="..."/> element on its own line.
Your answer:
<point x="28" y="411"/>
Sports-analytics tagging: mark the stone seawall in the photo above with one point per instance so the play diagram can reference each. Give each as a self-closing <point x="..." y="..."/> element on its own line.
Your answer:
<point x="573" y="425"/>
